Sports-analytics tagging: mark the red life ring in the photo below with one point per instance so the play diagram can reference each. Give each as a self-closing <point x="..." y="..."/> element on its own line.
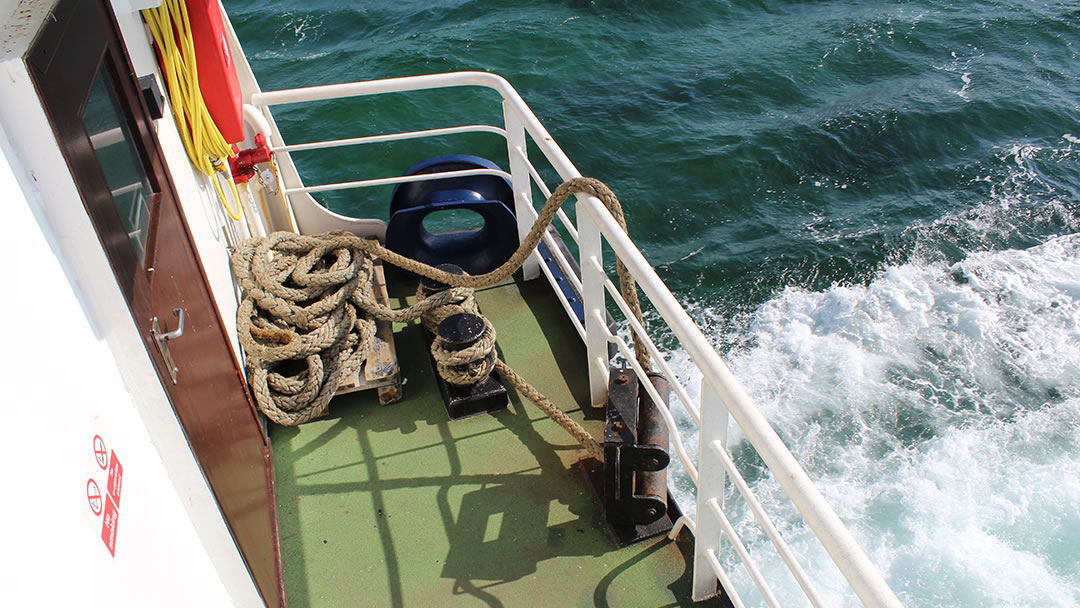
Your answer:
<point x="217" y="72"/>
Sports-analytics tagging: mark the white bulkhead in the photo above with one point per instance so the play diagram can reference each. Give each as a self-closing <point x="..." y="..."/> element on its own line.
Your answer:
<point x="77" y="369"/>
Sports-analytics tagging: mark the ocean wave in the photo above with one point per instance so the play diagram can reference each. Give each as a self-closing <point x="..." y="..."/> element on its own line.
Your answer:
<point x="936" y="408"/>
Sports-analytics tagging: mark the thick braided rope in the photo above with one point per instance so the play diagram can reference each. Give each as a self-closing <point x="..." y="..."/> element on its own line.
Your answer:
<point x="465" y="303"/>
<point x="299" y="321"/>
<point x="298" y="354"/>
<point x="468" y="365"/>
<point x="322" y="302"/>
<point x="587" y="441"/>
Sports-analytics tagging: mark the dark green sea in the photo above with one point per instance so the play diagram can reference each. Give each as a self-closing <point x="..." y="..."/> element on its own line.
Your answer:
<point x="872" y="208"/>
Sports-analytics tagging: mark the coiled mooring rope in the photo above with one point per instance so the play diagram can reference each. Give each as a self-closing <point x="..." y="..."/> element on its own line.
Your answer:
<point x="301" y="325"/>
<point x="463" y="366"/>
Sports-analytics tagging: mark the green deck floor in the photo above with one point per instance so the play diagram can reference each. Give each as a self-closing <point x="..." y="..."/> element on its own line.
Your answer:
<point x="399" y="506"/>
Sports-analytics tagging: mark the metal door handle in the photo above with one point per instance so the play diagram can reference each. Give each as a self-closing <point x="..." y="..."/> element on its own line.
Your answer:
<point x="179" y="331"/>
<point x="162" y="338"/>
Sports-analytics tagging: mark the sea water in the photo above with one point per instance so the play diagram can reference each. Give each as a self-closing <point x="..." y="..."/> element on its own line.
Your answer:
<point x="872" y="209"/>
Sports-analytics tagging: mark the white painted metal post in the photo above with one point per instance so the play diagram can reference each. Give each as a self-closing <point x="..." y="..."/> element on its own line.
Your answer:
<point x="592" y="286"/>
<point x="711" y="478"/>
<point x="517" y="152"/>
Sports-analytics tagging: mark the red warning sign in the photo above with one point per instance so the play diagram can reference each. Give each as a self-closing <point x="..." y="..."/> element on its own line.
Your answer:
<point x="116" y="478"/>
<point x="99" y="452"/>
<point x="108" y="525"/>
<point x="93" y="495"/>
<point x="104" y="486"/>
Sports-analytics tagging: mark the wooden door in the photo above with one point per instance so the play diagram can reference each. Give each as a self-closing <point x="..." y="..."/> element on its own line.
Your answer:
<point x="91" y="95"/>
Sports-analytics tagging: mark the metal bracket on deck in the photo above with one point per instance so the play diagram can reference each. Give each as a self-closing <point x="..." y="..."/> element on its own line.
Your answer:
<point x="635" y="492"/>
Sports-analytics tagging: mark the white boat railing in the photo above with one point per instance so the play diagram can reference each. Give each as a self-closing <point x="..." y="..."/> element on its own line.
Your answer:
<point x="721" y="393"/>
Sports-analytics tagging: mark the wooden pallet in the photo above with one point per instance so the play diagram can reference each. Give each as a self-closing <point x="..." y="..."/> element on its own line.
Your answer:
<point x="380" y="370"/>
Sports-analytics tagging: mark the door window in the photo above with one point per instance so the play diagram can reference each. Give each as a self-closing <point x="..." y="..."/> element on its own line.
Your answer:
<point x="124" y="173"/>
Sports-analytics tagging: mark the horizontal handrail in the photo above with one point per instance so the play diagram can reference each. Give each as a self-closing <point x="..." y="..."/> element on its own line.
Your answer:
<point x="374" y="139"/>
<point x="404" y="179"/>
<point x="684" y="521"/>
<point x="654" y="352"/>
<point x="560" y="259"/>
<point x="540" y="135"/>
<point x="539" y="181"/>
<point x="563" y="264"/>
<point x="377" y="87"/>
<point x="578" y="327"/>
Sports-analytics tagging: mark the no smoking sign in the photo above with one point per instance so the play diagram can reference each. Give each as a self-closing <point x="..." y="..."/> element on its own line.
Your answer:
<point x="103" y="489"/>
<point x="99" y="452"/>
<point x="93" y="496"/>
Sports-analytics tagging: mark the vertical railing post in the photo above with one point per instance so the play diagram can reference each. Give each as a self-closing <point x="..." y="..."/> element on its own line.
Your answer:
<point x="711" y="480"/>
<point x="517" y="152"/>
<point x="592" y="281"/>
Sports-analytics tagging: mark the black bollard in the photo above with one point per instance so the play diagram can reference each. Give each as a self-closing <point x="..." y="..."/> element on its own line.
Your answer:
<point x="430" y="287"/>
<point x="457" y="332"/>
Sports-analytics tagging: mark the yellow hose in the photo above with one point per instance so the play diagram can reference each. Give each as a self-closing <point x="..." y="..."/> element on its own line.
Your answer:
<point x="205" y="146"/>
<point x="221" y="196"/>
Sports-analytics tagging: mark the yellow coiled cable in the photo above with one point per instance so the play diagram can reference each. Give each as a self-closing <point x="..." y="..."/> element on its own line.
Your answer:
<point x="203" y="142"/>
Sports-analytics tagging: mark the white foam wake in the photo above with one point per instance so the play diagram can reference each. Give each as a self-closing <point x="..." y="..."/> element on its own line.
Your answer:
<point x="938" y="409"/>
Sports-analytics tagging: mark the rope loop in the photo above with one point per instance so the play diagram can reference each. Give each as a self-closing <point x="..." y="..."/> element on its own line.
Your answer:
<point x="468" y="365"/>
